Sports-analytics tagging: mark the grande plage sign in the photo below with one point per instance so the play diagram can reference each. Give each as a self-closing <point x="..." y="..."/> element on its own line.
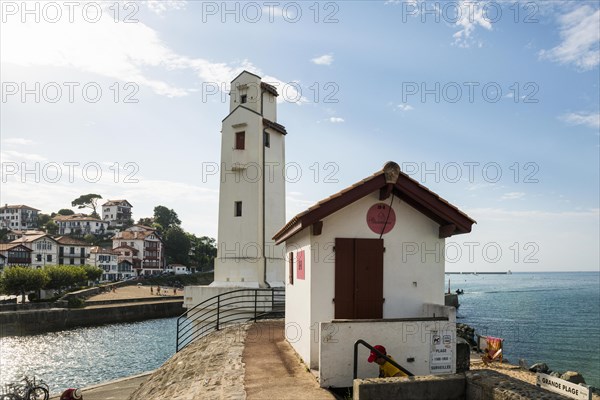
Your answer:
<point x="560" y="386"/>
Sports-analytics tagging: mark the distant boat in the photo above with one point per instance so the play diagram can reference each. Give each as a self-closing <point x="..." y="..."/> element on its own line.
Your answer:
<point x="509" y="272"/>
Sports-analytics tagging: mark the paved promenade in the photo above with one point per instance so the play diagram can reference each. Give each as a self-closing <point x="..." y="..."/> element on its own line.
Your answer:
<point x="251" y="361"/>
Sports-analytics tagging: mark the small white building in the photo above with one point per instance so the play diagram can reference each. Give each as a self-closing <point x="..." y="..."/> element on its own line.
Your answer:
<point x="44" y="249"/>
<point x="18" y="217"/>
<point x="79" y="224"/>
<point x="178" y="269"/>
<point x="116" y="212"/>
<point x="368" y="263"/>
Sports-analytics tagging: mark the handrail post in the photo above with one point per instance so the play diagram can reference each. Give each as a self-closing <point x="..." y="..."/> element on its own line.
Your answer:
<point x="218" y="310"/>
<point x="255" y="305"/>
<point x="177" y="339"/>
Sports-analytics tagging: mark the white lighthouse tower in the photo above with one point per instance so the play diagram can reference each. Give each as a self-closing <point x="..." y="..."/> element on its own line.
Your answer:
<point x="252" y="188"/>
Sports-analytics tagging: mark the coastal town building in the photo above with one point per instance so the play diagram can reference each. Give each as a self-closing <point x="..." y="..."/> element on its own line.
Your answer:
<point x="14" y="254"/>
<point x="108" y="260"/>
<point x="44" y="249"/>
<point x="79" y="224"/>
<point x="116" y="212"/>
<point x="142" y="246"/>
<point x="15" y="234"/>
<point x="178" y="269"/>
<point x="367" y="263"/>
<point x="18" y="216"/>
<point x="73" y="251"/>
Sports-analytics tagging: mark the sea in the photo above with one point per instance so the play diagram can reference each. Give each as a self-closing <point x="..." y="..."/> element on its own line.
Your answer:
<point x="551" y="317"/>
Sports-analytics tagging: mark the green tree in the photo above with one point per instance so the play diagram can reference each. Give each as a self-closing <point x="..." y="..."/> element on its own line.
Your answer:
<point x="204" y="251"/>
<point x="64" y="276"/>
<point x="51" y="227"/>
<point x="89" y="238"/>
<point x="166" y="218"/>
<point x="92" y="273"/>
<point x="177" y="246"/>
<point x="147" y="221"/>
<point x="87" y="201"/>
<point x="43" y="219"/>
<point x="22" y="280"/>
<point x="65" y="211"/>
<point x="4" y="235"/>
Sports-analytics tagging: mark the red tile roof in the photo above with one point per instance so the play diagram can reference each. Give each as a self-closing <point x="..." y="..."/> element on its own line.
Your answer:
<point x="406" y="188"/>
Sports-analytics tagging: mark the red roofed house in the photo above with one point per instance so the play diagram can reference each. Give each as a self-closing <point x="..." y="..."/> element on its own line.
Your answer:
<point x="44" y="249"/>
<point x="15" y="254"/>
<point x="368" y="263"/>
<point x="143" y="247"/>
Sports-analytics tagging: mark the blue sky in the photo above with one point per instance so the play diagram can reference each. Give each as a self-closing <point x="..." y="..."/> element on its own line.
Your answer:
<point x="508" y="88"/>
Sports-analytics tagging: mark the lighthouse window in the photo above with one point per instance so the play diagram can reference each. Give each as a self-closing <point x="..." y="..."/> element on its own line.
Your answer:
<point x="267" y="139"/>
<point x="243" y="98"/>
<point x="238" y="208"/>
<point x="240" y="139"/>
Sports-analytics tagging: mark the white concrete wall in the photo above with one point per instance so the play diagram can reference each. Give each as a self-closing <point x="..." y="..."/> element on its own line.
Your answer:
<point x="299" y="303"/>
<point x="410" y="280"/>
<point x="402" y="340"/>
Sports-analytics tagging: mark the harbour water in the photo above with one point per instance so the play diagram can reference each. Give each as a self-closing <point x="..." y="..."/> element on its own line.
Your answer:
<point x="551" y="317"/>
<point x="543" y="317"/>
<point x="86" y="356"/>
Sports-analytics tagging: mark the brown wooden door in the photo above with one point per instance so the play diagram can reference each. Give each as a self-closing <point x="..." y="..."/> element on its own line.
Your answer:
<point x="358" y="278"/>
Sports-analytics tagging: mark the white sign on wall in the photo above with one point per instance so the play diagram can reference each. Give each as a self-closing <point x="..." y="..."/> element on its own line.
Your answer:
<point x="441" y="359"/>
<point x="560" y="386"/>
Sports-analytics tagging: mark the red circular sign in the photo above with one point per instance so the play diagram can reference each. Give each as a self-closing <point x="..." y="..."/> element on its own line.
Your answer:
<point x="381" y="218"/>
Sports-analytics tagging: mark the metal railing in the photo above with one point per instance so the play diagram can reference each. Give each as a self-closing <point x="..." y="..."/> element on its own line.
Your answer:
<point x="386" y="358"/>
<point x="236" y="306"/>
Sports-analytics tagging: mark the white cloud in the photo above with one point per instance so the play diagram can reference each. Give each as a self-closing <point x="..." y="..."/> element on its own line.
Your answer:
<point x="405" y="107"/>
<point x="159" y="7"/>
<point x="580" y="34"/>
<point x="336" y="120"/>
<point x="588" y="119"/>
<point x="11" y="156"/>
<point x="471" y="16"/>
<point x="18" y="141"/>
<point x="128" y="52"/>
<point x="512" y="196"/>
<point x="326" y="59"/>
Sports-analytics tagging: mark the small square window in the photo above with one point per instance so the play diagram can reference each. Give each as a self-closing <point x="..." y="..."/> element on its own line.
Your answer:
<point x="243" y="98"/>
<point x="238" y="209"/>
<point x="267" y="139"/>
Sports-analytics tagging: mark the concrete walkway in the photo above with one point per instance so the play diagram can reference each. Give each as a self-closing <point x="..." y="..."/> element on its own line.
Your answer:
<point x="247" y="361"/>
<point x="273" y="370"/>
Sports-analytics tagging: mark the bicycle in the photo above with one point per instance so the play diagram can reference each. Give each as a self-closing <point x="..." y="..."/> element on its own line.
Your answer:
<point x="30" y="390"/>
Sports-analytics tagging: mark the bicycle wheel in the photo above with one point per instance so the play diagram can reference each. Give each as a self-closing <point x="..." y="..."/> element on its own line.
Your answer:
<point x="38" y="393"/>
